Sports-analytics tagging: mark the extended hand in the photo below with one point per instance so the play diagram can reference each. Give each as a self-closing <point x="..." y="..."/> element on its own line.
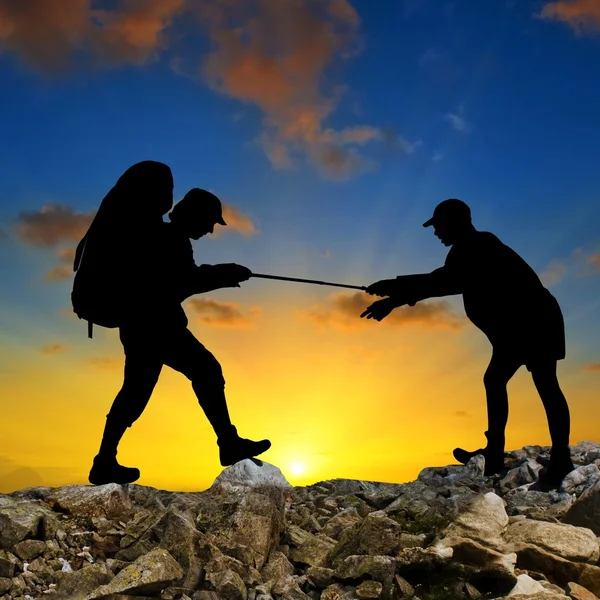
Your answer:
<point x="385" y="287"/>
<point x="380" y="309"/>
<point x="233" y="273"/>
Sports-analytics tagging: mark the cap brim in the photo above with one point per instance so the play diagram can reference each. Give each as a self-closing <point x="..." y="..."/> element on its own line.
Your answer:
<point x="221" y="221"/>
<point x="428" y="223"/>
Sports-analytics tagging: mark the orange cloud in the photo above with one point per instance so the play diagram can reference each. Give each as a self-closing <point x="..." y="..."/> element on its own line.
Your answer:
<point x="553" y="273"/>
<point x="222" y="314"/>
<point x="582" y="15"/>
<point x="64" y="270"/>
<point x="272" y="54"/>
<point x="594" y="261"/>
<point x="343" y="311"/>
<point x="48" y="35"/>
<point x="237" y="220"/>
<point x="104" y="362"/>
<point x="53" y="349"/>
<point x="275" y="55"/>
<point x="51" y="225"/>
<point x="592" y="368"/>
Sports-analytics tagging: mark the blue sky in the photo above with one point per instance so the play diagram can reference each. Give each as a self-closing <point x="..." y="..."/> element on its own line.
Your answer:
<point x="492" y="102"/>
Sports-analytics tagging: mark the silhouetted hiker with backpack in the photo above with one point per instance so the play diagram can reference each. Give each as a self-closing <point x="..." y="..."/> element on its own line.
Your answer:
<point x="505" y="299"/>
<point x="154" y="266"/>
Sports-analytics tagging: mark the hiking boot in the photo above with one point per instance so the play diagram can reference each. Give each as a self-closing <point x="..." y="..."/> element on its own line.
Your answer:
<point x="493" y="454"/>
<point x="233" y="448"/>
<point x="108" y="470"/>
<point x="550" y="477"/>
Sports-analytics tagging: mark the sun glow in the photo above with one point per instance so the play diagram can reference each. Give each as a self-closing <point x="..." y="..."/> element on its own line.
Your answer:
<point x="297" y="468"/>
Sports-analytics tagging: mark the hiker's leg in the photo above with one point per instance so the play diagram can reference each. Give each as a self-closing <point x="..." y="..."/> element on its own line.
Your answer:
<point x="141" y="373"/>
<point x="500" y="371"/>
<point x="188" y="356"/>
<point x="559" y="423"/>
<point x="555" y="403"/>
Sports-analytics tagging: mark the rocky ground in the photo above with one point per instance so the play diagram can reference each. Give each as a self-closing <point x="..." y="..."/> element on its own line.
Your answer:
<point x="451" y="534"/>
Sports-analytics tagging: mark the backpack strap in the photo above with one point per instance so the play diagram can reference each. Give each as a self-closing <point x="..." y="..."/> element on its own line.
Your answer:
<point x="90" y="329"/>
<point x="79" y="252"/>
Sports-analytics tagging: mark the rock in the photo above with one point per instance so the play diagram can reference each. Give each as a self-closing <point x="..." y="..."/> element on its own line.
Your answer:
<point x="5" y="585"/>
<point x="380" y="568"/>
<point x="176" y="532"/>
<point x="377" y="534"/>
<point x="314" y="551"/>
<point x="579" y="480"/>
<point x="578" y="592"/>
<point x="77" y="584"/>
<point x="9" y="563"/>
<point x="321" y="577"/>
<point x="337" y="591"/>
<point x="484" y="520"/>
<point x="471" y="592"/>
<point x="29" y="549"/>
<point x="525" y="473"/>
<point x="277" y="567"/>
<point x="249" y="473"/>
<point x="21" y="520"/>
<point x="558" y="570"/>
<point x="149" y="574"/>
<point x="219" y="562"/>
<point x="369" y="589"/>
<point x="249" y="518"/>
<point x="405" y="590"/>
<point x="567" y="541"/>
<point x="470" y="552"/>
<point x="289" y="589"/>
<point x="110" y="500"/>
<point x="210" y="595"/>
<point x="526" y="586"/>
<point x="585" y="511"/>
<point x="229" y="585"/>
<point x="338" y="523"/>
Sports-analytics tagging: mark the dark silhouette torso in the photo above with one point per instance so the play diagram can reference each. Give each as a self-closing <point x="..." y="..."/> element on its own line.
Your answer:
<point x="503" y="296"/>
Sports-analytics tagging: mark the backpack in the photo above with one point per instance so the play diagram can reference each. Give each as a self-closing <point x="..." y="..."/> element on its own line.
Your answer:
<point x="102" y="289"/>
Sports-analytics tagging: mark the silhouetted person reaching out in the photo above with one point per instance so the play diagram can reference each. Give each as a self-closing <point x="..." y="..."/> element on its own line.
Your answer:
<point x="154" y="331"/>
<point x="504" y="298"/>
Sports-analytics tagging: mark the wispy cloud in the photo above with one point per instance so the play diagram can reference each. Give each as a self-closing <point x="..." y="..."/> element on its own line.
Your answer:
<point x="276" y="56"/>
<point x="594" y="261"/>
<point x="50" y="35"/>
<point x="64" y="270"/>
<point x="237" y="221"/>
<point x="106" y="362"/>
<point x="592" y="368"/>
<point x="579" y="263"/>
<point x="458" y="121"/>
<point x="51" y="349"/>
<point x="52" y="225"/>
<point x="553" y="273"/>
<point x="223" y="314"/>
<point x="342" y="311"/>
<point x="437" y="156"/>
<point x="583" y="16"/>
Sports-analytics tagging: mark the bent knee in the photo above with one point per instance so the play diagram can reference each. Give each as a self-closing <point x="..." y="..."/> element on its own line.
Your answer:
<point x="209" y="376"/>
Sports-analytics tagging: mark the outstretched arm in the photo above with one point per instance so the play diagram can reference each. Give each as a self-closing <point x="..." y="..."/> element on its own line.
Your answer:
<point x="440" y="282"/>
<point x="206" y="278"/>
<point x="410" y="289"/>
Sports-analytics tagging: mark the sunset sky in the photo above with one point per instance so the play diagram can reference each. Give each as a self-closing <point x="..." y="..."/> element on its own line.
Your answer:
<point x="330" y="129"/>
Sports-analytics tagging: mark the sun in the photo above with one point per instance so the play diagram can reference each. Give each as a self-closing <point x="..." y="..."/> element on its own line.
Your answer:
<point x="297" y="468"/>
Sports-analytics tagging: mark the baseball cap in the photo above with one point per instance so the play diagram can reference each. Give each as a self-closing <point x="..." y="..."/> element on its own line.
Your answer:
<point x="204" y="202"/>
<point x="450" y="210"/>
